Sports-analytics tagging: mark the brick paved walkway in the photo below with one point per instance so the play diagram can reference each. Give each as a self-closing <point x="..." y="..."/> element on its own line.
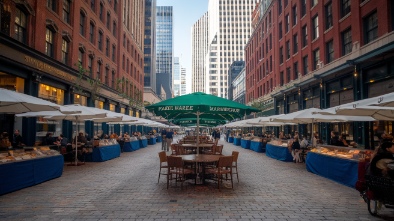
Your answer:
<point x="126" y="188"/>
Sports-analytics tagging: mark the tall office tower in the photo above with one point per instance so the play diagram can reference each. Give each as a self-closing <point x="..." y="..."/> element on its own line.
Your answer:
<point x="229" y="30"/>
<point x="149" y="45"/>
<point x="183" y="81"/>
<point x="164" y="50"/>
<point x="199" y="51"/>
<point x="177" y="77"/>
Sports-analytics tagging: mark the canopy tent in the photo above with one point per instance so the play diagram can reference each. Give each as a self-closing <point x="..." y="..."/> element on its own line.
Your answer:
<point x="376" y="112"/>
<point x="15" y="103"/>
<point x="200" y="105"/>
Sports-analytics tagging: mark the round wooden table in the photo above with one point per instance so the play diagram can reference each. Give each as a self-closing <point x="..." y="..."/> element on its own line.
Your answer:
<point x="200" y="159"/>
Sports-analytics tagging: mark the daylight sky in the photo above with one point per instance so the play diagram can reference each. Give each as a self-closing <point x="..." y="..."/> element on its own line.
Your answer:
<point x="186" y="13"/>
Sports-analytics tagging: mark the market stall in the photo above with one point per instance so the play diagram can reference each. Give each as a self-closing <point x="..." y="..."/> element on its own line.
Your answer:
<point x="152" y="140"/>
<point x="231" y="139"/>
<point x="20" y="169"/>
<point x="107" y="150"/>
<point x="245" y="142"/>
<point x="257" y="145"/>
<point x="143" y="142"/>
<point x="159" y="139"/>
<point x="278" y="150"/>
<point x="237" y="141"/>
<point x="339" y="164"/>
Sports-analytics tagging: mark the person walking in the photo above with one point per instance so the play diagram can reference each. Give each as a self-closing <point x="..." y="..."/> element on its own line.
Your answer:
<point x="163" y="139"/>
<point x="169" y="137"/>
<point x="216" y="136"/>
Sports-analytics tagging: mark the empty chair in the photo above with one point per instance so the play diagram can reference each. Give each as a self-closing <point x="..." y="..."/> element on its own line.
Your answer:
<point x="218" y="149"/>
<point x="235" y="163"/>
<point x="223" y="168"/>
<point x="163" y="164"/>
<point x="177" y="168"/>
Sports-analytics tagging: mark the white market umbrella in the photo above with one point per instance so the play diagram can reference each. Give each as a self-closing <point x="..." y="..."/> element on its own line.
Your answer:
<point x="15" y="103"/>
<point x="376" y="112"/>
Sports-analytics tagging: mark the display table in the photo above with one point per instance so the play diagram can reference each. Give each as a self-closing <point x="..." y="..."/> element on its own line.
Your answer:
<point x="245" y="144"/>
<point x="278" y="152"/>
<point x="256" y="146"/>
<point x="105" y="153"/>
<point x="143" y="143"/>
<point x="22" y="174"/>
<point x="159" y="139"/>
<point x="237" y="141"/>
<point x="231" y="139"/>
<point x="344" y="171"/>
<point x="152" y="141"/>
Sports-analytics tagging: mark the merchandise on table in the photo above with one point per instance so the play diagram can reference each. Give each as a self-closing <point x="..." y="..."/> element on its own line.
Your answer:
<point x="343" y="152"/>
<point x="26" y="154"/>
<point x="106" y="142"/>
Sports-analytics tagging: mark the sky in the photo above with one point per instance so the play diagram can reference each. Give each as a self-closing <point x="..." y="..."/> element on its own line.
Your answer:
<point x="186" y="13"/>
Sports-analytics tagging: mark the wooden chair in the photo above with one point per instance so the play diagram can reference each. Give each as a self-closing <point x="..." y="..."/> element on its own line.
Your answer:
<point x="218" y="149"/>
<point x="176" y="167"/>
<point x="223" y="168"/>
<point x="235" y="163"/>
<point x="163" y="164"/>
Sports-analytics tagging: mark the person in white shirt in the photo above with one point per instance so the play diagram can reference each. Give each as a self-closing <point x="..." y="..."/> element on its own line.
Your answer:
<point x="304" y="143"/>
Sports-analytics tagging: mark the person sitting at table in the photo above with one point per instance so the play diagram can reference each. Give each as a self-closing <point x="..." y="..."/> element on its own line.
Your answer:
<point x="295" y="150"/>
<point x="80" y="138"/>
<point x="384" y="156"/>
<point x="342" y="141"/>
<point x="334" y="138"/>
<point x="48" y="139"/>
<point x="62" y="141"/>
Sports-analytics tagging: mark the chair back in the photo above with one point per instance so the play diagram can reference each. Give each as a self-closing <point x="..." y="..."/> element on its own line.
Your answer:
<point x="218" y="149"/>
<point x="225" y="161"/>
<point x="235" y="156"/>
<point x="163" y="157"/>
<point x="174" y="162"/>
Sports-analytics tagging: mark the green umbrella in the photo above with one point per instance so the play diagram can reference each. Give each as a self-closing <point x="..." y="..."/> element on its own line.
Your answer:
<point x="196" y="105"/>
<point x="203" y="121"/>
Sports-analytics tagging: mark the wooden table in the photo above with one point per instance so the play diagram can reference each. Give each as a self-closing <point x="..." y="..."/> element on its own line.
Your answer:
<point x="193" y="146"/>
<point x="201" y="160"/>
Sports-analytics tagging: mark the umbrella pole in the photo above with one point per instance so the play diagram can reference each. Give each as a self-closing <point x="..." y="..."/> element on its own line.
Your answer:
<point x="76" y="142"/>
<point x="198" y="132"/>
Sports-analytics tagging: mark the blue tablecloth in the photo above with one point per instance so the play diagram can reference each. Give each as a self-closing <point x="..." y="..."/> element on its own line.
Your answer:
<point x="104" y="153"/>
<point x="256" y="146"/>
<point x="143" y="143"/>
<point x="152" y="141"/>
<point x="127" y="147"/>
<point x="231" y="139"/>
<point x="22" y="174"/>
<point x="245" y="144"/>
<point x="343" y="171"/>
<point x="159" y="139"/>
<point x="237" y="141"/>
<point x="278" y="152"/>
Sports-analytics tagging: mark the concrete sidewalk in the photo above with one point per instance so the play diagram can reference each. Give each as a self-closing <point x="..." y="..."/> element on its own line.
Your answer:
<point x="126" y="188"/>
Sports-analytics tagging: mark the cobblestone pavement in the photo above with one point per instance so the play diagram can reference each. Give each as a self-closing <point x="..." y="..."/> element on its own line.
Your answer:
<point x="126" y="188"/>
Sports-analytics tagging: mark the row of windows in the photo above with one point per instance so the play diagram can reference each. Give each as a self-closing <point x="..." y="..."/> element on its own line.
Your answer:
<point x="66" y="8"/>
<point x="82" y="26"/>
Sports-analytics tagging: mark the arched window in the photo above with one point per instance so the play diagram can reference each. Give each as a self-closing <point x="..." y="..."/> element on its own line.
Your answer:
<point x="82" y="22"/>
<point x="49" y="36"/>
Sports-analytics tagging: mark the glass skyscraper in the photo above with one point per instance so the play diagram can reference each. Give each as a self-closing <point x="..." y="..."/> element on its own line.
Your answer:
<point x="149" y="45"/>
<point x="164" y="50"/>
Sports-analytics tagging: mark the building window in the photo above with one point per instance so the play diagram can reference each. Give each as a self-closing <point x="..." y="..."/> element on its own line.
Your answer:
<point x="280" y="30"/>
<point x="20" y="25"/>
<point x="316" y="59"/>
<point x="101" y="12"/>
<point x="82" y="21"/>
<point x="90" y="65"/>
<point x="281" y="55"/>
<point x="303" y="8"/>
<point x="98" y="69"/>
<point x="330" y="51"/>
<point x="81" y="54"/>
<point x="114" y="29"/>
<point x="346" y="41"/>
<point x="106" y="81"/>
<point x="371" y="27"/>
<point x="52" y="4"/>
<point x="92" y="4"/>
<point x="314" y="2"/>
<point x="288" y="49"/>
<point x="49" y="50"/>
<point x="305" y="65"/>
<point x="315" y="31"/>
<point x="108" y="21"/>
<point x="304" y="36"/>
<point x="295" y="43"/>
<point x="287" y="18"/>
<point x="345" y="7"/>
<point x="294" y="15"/>
<point x="91" y="32"/>
<point x="113" y="80"/>
<point x="107" y="47"/>
<point x="288" y="73"/>
<point x="328" y="12"/>
<point x="281" y="80"/>
<point x="115" y="5"/>
<point x="295" y="70"/>
<point x="100" y="41"/>
<point x="66" y="11"/>
<point x="113" y="52"/>
<point x="65" y="51"/>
